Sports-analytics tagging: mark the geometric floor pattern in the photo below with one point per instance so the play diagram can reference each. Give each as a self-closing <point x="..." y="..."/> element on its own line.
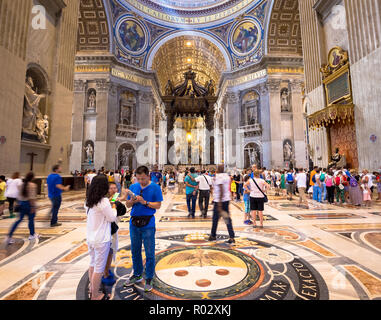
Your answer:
<point x="324" y="252"/>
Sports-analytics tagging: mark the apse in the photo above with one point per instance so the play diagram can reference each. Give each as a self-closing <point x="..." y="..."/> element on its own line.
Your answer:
<point x="175" y="57"/>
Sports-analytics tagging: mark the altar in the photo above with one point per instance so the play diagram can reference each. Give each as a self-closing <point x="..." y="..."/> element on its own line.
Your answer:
<point x="189" y="108"/>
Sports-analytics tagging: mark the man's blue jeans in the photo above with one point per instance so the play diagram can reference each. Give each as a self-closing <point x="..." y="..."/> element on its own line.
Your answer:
<point x="56" y="204"/>
<point x="191" y="203"/>
<point x="324" y="191"/>
<point x="317" y="193"/>
<point x="138" y="237"/>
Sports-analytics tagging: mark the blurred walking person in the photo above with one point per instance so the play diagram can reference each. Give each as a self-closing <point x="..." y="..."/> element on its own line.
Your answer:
<point x="222" y="198"/>
<point x="55" y="188"/>
<point x="13" y="192"/>
<point x="27" y="201"/>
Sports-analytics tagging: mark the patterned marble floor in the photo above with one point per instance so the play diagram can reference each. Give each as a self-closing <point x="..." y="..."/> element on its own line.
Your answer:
<point x="325" y="252"/>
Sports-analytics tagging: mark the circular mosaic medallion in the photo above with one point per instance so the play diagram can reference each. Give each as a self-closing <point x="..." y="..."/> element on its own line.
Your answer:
<point x="131" y="35"/>
<point x="245" y="37"/>
<point x="203" y="271"/>
<point x="256" y="268"/>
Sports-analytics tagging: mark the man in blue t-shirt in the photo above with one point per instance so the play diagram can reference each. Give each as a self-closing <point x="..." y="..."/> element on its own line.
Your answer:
<point x="148" y="198"/>
<point x="156" y="176"/>
<point x="55" y="188"/>
<point x="191" y="192"/>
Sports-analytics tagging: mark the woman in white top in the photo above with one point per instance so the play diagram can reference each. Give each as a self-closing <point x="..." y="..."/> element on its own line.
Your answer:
<point x="257" y="199"/>
<point x="99" y="217"/>
<point x="12" y="192"/>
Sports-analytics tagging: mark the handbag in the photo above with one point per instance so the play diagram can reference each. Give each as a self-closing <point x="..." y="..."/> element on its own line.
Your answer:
<point x="114" y="228"/>
<point x="141" y="221"/>
<point x="265" y="196"/>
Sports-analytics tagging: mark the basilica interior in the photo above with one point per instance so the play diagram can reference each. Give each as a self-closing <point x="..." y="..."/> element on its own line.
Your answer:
<point x="117" y="84"/>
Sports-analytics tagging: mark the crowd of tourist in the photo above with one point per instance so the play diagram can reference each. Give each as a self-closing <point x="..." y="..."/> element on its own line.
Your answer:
<point x="110" y="193"/>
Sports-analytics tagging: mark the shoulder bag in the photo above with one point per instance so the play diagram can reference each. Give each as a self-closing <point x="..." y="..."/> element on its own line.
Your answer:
<point x="265" y="196"/>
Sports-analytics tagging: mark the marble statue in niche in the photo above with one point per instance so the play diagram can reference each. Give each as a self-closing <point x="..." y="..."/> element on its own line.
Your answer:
<point x="124" y="157"/>
<point x="31" y="113"/>
<point x="287" y="151"/>
<point x="89" y="153"/>
<point x="43" y="129"/>
<point x="285" y="100"/>
<point x="92" y="101"/>
<point x="254" y="154"/>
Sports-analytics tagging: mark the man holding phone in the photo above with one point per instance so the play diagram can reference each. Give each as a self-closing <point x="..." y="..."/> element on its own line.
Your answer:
<point x="145" y="200"/>
<point x="191" y="188"/>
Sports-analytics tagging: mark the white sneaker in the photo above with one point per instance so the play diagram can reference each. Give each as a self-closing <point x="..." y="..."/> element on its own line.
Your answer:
<point x="34" y="237"/>
<point x="9" y="241"/>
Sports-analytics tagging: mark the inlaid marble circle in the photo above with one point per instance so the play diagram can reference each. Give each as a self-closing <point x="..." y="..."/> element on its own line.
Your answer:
<point x="274" y="255"/>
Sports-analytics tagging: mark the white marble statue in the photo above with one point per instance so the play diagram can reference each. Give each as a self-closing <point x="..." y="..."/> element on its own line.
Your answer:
<point x="92" y="101"/>
<point x="253" y="155"/>
<point x="125" y="157"/>
<point x="43" y="129"/>
<point x="285" y="106"/>
<point x="287" y="151"/>
<point x="89" y="152"/>
<point x="32" y="111"/>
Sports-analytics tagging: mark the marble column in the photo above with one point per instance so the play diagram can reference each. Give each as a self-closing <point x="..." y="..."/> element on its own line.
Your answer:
<point x="79" y="101"/>
<point x="232" y="113"/>
<point x="300" y="152"/>
<point x="271" y="123"/>
<point x="112" y="121"/>
<point x="146" y="136"/>
<point x="364" y="30"/>
<point x="100" y="151"/>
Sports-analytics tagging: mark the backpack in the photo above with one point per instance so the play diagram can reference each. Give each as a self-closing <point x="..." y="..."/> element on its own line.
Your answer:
<point x="353" y="182"/>
<point x="290" y="178"/>
<point x="337" y="181"/>
<point x="322" y="177"/>
<point x="314" y="178"/>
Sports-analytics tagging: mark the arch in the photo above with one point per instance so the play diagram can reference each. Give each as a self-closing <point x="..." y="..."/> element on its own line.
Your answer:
<point x="38" y="73"/>
<point x="126" y="156"/>
<point x="155" y="48"/>
<point x="253" y="154"/>
<point x="41" y="85"/>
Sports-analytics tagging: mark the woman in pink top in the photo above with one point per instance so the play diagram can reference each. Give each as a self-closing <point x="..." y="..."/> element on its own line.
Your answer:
<point x="329" y="182"/>
<point x="257" y="199"/>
